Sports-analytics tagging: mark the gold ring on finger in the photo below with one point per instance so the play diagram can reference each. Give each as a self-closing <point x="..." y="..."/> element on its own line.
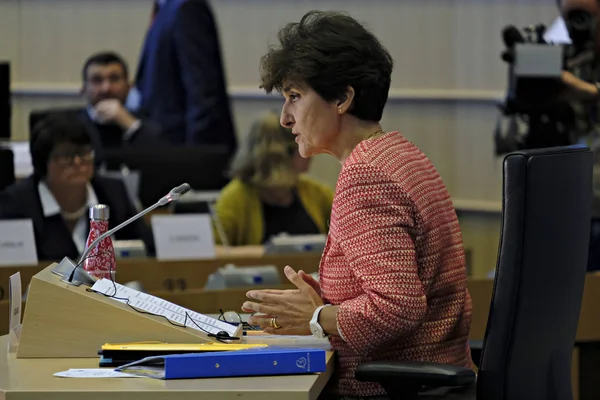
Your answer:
<point x="274" y="323"/>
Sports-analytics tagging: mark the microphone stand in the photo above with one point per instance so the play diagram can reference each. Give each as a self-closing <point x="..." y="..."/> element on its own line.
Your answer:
<point x="69" y="270"/>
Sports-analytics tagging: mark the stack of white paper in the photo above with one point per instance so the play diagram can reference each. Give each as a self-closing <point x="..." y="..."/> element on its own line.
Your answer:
<point x="157" y="306"/>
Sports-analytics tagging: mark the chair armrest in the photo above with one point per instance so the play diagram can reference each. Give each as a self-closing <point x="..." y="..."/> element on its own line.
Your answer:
<point x="411" y="374"/>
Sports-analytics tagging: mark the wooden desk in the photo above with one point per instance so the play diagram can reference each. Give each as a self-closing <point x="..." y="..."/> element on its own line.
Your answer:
<point x="153" y="275"/>
<point x="588" y="329"/>
<point x="32" y="379"/>
<point x="191" y="276"/>
<point x="179" y="275"/>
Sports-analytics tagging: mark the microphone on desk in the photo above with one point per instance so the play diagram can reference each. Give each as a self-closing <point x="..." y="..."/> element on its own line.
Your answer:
<point x="69" y="270"/>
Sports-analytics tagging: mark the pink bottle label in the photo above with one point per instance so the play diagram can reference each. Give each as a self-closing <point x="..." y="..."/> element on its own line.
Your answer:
<point x="100" y="261"/>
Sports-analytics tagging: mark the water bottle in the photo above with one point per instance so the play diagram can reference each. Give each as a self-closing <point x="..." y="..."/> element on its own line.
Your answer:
<point x="100" y="261"/>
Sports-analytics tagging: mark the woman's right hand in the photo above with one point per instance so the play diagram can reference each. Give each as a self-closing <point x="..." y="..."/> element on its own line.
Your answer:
<point x="311" y="281"/>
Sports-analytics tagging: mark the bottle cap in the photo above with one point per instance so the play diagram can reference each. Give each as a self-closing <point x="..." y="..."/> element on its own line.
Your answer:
<point x="100" y="212"/>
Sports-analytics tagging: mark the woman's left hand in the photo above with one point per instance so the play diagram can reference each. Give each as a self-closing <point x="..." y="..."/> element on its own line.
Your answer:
<point x="291" y="309"/>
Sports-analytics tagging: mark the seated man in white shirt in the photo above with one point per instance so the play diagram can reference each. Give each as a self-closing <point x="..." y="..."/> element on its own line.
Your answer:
<point x="63" y="186"/>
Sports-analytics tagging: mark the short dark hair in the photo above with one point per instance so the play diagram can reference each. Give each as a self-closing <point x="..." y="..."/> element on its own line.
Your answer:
<point x="330" y="51"/>
<point x="52" y="130"/>
<point x="104" y="58"/>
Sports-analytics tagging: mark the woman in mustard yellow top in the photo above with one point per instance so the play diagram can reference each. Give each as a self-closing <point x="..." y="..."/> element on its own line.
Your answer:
<point x="269" y="193"/>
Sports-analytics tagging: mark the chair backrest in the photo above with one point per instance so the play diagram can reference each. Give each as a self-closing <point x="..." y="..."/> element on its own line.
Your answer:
<point x="36" y="116"/>
<point x="161" y="169"/>
<point x="540" y="275"/>
<point x="7" y="168"/>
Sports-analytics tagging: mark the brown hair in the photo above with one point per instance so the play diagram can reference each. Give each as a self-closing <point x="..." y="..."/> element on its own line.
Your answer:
<point x="330" y="51"/>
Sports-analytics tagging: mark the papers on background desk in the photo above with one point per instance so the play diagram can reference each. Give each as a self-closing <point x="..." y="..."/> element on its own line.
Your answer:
<point x="286" y="244"/>
<point x="22" y="157"/>
<point x="93" y="373"/>
<point x="557" y="32"/>
<point x="157" y="306"/>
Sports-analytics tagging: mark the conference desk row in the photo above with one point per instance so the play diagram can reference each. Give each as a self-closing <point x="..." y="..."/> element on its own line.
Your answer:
<point x="182" y="283"/>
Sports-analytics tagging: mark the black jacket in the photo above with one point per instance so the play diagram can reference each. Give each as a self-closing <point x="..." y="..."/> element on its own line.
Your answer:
<point x="111" y="136"/>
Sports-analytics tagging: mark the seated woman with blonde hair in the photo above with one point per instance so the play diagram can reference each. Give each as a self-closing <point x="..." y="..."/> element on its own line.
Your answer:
<point x="269" y="193"/>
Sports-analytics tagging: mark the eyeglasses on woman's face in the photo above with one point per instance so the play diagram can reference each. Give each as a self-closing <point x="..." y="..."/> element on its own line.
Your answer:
<point x="68" y="156"/>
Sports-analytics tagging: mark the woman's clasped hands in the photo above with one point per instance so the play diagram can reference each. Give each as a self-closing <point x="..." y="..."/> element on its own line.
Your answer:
<point x="285" y="312"/>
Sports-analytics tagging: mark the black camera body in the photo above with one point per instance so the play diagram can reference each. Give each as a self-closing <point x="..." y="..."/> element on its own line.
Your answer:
<point x="540" y="115"/>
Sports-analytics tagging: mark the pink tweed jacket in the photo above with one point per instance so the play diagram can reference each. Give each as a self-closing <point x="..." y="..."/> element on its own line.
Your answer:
<point x="394" y="264"/>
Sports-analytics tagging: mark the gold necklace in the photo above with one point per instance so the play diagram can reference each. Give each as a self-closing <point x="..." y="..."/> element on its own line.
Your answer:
<point x="372" y="135"/>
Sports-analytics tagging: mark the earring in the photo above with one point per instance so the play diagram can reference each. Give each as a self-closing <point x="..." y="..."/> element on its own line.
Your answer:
<point x="339" y="110"/>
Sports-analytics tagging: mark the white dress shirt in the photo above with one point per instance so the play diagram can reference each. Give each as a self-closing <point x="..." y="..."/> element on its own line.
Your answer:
<point x="50" y="208"/>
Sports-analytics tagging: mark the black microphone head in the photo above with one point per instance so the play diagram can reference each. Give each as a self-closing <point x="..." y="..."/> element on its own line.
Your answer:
<point x="181" y="189"/>
<point x="175" y="194"/>
<point x="511" y="35"/>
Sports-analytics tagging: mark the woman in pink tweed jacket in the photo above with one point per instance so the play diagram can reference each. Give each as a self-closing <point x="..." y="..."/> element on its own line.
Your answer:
<point x="392" y="280"/>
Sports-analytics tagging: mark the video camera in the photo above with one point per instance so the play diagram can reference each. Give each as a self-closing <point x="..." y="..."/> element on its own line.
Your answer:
<point x="536" y="110"/>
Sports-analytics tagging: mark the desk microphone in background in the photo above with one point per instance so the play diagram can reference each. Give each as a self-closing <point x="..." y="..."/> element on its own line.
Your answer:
<point x="74" y="275"/>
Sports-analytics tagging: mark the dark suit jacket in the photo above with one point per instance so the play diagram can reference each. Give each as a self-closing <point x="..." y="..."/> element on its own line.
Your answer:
<point x="111" y="136"/>
<point x="53" y="239"/>
<point x="181" y="79"/>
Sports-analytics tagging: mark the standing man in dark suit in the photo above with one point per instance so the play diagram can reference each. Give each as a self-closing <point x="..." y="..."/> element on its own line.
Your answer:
<point x="105" y="88"/>
<point x="180" y="78"/>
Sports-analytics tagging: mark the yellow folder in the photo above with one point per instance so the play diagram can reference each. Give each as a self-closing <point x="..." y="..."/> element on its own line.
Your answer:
<point x="191" y="347"/>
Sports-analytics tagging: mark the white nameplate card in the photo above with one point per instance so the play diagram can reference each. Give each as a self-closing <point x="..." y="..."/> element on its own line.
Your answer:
<point x="17" y="243"/>
<point x="183" y="237"/>
<point x="15" y="301"/>
<point x="160" y="307"/>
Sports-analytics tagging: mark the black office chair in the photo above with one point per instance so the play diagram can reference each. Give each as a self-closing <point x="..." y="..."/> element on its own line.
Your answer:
<point x="538" y="288"/>
<point x="7" y="168"/>
<point x="203" y="167"/>
<point x="36" y="116"/>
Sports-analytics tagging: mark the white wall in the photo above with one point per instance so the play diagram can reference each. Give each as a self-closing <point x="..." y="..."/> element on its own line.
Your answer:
<point x="447" y="78"/>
